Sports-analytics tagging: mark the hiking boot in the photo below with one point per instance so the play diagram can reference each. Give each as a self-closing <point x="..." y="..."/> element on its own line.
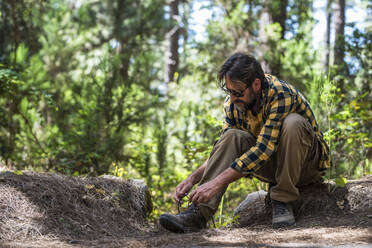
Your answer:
<point x="190" y="220"/>
<point x="282" y="214"/>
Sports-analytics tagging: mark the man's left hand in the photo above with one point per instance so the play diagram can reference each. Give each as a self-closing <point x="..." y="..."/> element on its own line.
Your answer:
<point x="204" y="192"/>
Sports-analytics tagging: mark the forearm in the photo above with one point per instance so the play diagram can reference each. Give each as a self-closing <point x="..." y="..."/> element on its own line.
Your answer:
<point x="197" y="175"/>
<point x="203" y="193"/>
<point x="228" y="176"/>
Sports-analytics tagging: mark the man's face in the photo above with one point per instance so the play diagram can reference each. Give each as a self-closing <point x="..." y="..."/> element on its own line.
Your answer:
<point x="241" y="95"/>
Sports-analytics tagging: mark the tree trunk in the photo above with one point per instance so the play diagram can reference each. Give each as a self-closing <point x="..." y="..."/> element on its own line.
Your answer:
<point x="328" y="36"/>
<point x="270" y="52"/>
<point x="12" y="129"/>
<point x="281" y="16"/>
<point x="339" y="49"/>
<point x="265" y="19"/>
<point x="15" y="33"/>
<point x="340" y="30"/>
<point x="172" y="37"/>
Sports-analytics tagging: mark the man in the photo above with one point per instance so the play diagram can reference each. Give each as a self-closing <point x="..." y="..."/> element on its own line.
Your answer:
<point x="269" y="132"/>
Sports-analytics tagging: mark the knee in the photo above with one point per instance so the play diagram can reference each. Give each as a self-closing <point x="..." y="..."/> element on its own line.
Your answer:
<point x="293" y="124"/>
<point x="236" y="134"/>
<point x="237" y="138"/>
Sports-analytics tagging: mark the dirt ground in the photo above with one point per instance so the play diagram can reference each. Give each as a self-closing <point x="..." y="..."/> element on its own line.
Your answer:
<point x="346" y="231"/>
<point x="43" y="210"/>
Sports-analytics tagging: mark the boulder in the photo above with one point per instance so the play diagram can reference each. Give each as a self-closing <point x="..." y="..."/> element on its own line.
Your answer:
<point x="251" y="209"/>
<point x="317" y="200"/>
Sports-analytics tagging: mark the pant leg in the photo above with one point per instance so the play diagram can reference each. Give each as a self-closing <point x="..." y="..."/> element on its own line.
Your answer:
<point x="232" y="144"/>
<point x="296" y="161"/>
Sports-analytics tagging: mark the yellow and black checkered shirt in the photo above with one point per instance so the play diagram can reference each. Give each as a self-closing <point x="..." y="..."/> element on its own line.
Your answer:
<point x="278" y="99"/>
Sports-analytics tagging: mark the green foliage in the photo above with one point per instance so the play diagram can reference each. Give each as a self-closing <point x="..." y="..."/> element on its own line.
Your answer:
<point x="341" y="181"/>
<point x="297" y="62"/>
<point x="82" y="91"/>
<point x="353" y="136"/>
<point x="9" y="81"/>
<point x="345" y="125"/>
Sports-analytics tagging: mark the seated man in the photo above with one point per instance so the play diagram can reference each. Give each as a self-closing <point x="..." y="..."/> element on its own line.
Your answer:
<point x="269" y="132"/>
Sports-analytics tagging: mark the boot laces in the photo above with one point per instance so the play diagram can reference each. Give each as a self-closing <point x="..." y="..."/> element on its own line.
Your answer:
<point x="191" y="208"/>
<point x="179" y="205"/>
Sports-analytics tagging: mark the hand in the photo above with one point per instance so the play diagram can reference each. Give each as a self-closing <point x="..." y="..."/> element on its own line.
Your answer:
<point x="204" y="192"/>
<point x="182" y="189"/>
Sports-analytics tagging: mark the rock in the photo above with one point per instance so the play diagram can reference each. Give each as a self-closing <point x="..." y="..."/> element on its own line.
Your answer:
<point x="140" y="195"/>
<point x="329" y="199"/>
<point x="359" y="197"/>
<point x="251" y="209"/>
<point x="317" y="200"/>
<point x="143" y="199"/>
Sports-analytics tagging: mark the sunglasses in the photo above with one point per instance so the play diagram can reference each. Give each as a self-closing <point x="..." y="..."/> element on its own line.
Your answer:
<point x="233" y="92"/>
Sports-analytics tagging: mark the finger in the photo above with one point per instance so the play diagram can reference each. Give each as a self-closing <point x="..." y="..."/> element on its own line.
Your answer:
<point x="180" y="196"/>
<point x="196" y="199"/>
<point x="191" y="196"/>
<point x="180" y="192"/>
<point x="201" y="199"/>
<point x="179" y="189"/>
<point x="177" y="197"/>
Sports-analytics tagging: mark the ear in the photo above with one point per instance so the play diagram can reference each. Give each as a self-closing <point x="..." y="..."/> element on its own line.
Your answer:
<point x="256" y="85"/>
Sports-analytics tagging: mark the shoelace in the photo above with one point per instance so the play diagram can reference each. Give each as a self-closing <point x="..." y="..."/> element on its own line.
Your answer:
<point x="195" y="208"/>
<point x="179" y="204"/>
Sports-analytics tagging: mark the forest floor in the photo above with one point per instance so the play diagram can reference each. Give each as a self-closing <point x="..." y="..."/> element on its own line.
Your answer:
<point x="345" y="231"/>
<point x="23" y="225"/>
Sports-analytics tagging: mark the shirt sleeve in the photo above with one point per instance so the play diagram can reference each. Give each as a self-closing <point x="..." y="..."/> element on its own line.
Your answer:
<point x="229" y="121"/>
<point x="279" y="107"/>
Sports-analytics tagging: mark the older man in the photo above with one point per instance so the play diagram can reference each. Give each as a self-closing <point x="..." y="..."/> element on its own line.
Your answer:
<point x="269" y="132"/>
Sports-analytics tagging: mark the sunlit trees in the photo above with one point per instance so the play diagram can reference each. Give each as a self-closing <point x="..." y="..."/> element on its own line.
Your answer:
<point x="125" y="87"/>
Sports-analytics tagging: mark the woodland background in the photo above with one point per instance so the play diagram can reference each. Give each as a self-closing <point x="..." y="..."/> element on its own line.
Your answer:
<point x="127" y="88"/>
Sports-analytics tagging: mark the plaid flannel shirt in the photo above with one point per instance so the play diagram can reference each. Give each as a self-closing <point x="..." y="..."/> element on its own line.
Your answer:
<point x="278" y="99"/>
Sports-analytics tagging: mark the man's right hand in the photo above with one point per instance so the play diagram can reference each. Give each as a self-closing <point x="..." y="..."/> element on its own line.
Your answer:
<point x="185" y="186"/>
<point x="182" y="189"/>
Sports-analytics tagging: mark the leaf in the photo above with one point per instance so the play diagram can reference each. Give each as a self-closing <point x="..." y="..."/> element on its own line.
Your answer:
<point x="341" y="181"/>
<point x="89" y="186"/>
<point x="21" y="53"/>
<point x="18" y="172"/>
<point x="100" y="191"/>
<point x="24" y="105"/>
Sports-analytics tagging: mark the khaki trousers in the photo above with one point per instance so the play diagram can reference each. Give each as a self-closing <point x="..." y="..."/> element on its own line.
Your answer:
<point x="294" y="164"/>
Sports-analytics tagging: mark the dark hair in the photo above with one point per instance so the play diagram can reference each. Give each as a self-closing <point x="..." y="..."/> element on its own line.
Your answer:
<point x="240" y="67"/>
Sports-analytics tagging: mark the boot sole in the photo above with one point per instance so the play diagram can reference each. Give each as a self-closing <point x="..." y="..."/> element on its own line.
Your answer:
<point x="284" y="224"/>
<point x="172" y="225"/>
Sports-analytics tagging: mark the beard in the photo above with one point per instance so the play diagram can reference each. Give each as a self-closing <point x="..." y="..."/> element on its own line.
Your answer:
<point x="244" y="106"/>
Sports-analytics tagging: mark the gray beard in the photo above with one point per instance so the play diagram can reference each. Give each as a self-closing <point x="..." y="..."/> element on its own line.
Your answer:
<point x="247" y="106"/>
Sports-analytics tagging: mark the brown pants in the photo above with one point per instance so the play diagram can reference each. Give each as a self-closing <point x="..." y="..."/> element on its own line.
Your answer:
<point x="295" y="163"/>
